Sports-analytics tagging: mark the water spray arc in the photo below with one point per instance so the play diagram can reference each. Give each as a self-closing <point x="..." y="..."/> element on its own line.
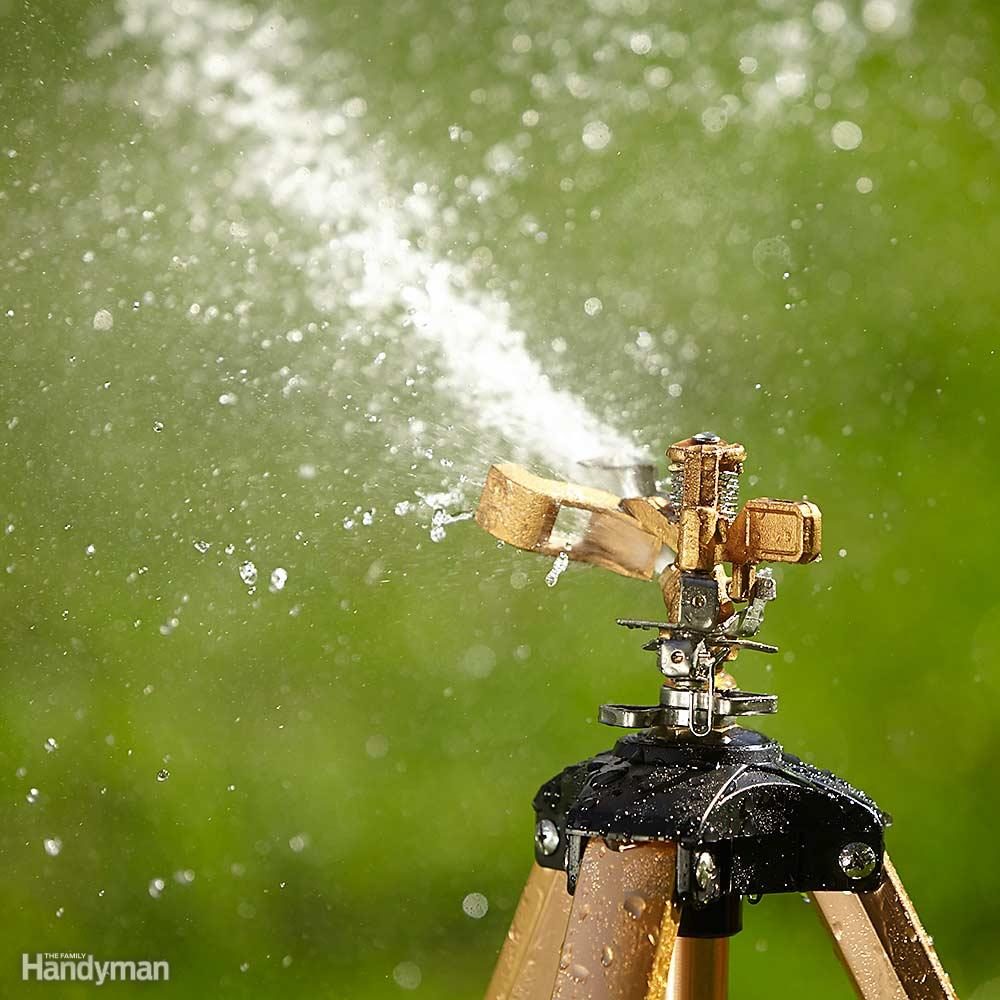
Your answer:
<point x="644" y="853"/>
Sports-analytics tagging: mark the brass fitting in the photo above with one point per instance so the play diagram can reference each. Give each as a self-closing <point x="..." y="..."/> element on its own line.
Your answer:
<point x="699" y="521"/>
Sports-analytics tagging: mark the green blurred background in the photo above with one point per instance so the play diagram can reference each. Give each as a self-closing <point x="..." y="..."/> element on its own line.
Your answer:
<point x="775" y="220"/>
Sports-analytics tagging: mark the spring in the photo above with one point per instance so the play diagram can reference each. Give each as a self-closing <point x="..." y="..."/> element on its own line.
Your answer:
<point x="676" y="490"/>
<point x="729" y="494"/>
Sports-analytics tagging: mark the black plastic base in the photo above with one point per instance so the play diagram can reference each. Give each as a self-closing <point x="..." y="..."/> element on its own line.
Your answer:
<point x="766" y="821"/>
<point x="721" y="918"/>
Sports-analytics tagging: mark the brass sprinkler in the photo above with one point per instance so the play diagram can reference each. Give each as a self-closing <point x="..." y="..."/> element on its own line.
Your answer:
<point x="684" y="540"/>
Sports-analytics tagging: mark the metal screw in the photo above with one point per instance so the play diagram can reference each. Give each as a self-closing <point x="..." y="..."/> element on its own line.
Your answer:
<point x="706" y="437"/>
<point x="677" y="656"/>
<point x="699" y="600"/>
<point x="704" y="870"/>
<point x="857" y="860"/>
<point x="547" y="837"/>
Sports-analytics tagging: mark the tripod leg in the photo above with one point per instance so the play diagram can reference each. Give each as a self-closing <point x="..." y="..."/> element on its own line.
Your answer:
<point x="699" y="970"/>
<point x="623" y="925"/>
<point x="882" y="944"/>
<point x="527" y="965"/>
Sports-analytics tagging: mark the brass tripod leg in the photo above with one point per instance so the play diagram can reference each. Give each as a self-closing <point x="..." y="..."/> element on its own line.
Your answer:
<point x="882" y="944"/>
<point x="699" y="970"/>
<point x="623" y="925"/>
<point x="528" y="961"/>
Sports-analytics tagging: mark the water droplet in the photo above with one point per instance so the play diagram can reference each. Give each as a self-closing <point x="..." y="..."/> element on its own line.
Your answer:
<point x="50" y="745"/>
<point x="279" y="577"/>
<point x="156" y="887"/>
<point x="162" y="774"/>
<point x="475" y="905"/>
<point x="32" y="796"/>
<point x="248" y="573"/>
<point x="202" y="546"/>
<point x="879" y="15"/>
<point x="579" y="972"/>
<point x="772" y="256"/>
<point x="634" y="906"/>
<point x="596" y="135"/>
<point x="846" y="135"/>
<point x="103" y="320"/>
<point x="407" y="975"/>
<point x="607" y="956"/>
<point x="438" y="521"/>
<point x="157" y="426"/>
<point x="299" y="842"/>
<point x="52" y="845"/>
<point x="558" y="568"/>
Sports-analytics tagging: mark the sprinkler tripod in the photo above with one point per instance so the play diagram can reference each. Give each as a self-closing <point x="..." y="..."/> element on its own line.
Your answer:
<point x="643" y="854"/>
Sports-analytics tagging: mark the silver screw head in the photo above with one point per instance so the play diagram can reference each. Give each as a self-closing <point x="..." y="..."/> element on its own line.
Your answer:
<point x="547" y="837"/>
<point x="704" y="870"/>
<point x="857" y="860"/>
<point x="706" y="437"/>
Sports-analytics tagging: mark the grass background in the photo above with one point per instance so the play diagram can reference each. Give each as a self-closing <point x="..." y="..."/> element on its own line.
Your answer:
<point x="398" y="703"/>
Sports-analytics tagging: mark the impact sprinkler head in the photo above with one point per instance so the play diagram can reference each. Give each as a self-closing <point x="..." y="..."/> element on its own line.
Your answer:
<point x="685" y="540"/>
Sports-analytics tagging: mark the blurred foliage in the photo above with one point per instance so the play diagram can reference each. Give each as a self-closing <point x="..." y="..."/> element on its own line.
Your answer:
<point x="350" y="756"/>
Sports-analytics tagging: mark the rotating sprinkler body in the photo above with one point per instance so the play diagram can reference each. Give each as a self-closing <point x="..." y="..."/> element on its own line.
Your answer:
<point x="684" y="540"/>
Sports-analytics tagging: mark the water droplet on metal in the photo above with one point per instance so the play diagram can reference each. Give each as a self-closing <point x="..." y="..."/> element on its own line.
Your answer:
<point x="857" y="860"/>
<point x="547" y="836"/>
